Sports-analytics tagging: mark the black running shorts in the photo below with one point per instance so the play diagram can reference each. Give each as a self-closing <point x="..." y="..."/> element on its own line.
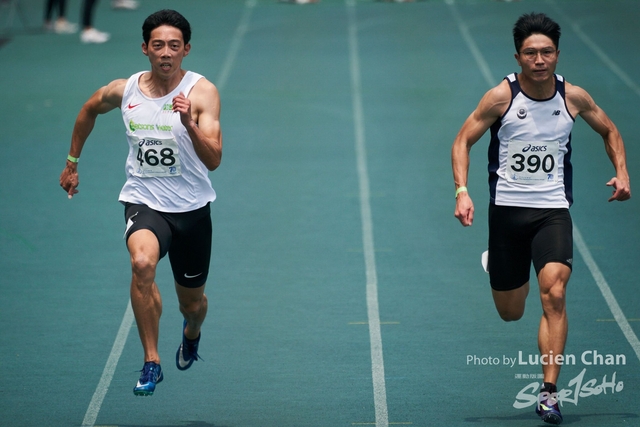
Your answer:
<point x="518" y="236"/>
<point x="185" y="236"/>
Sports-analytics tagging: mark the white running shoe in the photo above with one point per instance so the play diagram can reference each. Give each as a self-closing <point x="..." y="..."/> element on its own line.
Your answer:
<point x="94" y="36"/>
<point x="484" y="260"/>
<point x="65" y="27"/>
<point x="124" y="4"/>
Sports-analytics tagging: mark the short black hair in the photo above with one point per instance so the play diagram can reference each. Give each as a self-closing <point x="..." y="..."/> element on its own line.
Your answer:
<point x="166" y="17"/>
<point x="535" y="23"/>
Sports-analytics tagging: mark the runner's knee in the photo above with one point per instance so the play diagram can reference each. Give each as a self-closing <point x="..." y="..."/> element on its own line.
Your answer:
<point x="510" y="304"/>
<point x="553" y="298"/>
<point x="143" y="266"/>
<point x="192" y="305"/>
<point x="510" y="315"/>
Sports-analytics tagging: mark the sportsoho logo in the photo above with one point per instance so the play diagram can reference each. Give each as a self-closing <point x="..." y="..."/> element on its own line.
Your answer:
<point x="580" y="386"/>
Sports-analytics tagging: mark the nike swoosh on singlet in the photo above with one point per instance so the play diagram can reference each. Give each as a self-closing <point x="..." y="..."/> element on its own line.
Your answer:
<point x="132" y="106"/>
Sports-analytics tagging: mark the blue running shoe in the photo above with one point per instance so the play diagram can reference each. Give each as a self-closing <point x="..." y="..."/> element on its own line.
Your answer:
<point x="187" y="352"/>
<point x="547" y="408"/>
<point x="151" y="375"/>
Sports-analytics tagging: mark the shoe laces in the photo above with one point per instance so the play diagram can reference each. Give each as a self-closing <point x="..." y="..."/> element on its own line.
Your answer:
<point x="190" y="349"/>
<point x="548" y="402"/>
<point x="150" y="372"/>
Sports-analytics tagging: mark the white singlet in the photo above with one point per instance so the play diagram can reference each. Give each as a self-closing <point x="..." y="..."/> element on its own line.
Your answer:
<point x="163" y="170"/>
<point x="530" y="151"/>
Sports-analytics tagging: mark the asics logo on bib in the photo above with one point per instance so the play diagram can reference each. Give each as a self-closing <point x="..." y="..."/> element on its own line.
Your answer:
<point x="534" y="148"/>
<point x="149" y="142"/>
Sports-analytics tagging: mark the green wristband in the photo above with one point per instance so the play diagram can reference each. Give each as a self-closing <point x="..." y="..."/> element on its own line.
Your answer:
<point x="72" y="159"/>
<point x="460" y="190"/>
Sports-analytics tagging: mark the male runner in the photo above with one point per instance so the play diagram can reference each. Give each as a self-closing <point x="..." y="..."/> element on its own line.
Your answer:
<point x="531" y="115"/>
<point x="171" y="118"/>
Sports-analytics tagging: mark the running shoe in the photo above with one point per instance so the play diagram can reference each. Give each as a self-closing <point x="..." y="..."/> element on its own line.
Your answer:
<point x="65" y="27"/>
<point x="547" y="408"/>
<point x="299" y="1"/>
<point x="187" y="352"/>
<point x="124" y="4"/>
<point x="151" y="375"/>
<point x="484" y="260"/>
<point x="92" y="35"/>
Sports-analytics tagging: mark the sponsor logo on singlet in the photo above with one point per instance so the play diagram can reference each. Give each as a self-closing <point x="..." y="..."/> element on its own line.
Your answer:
<point x="522" y="113"/>
<point x="144" y="126"/>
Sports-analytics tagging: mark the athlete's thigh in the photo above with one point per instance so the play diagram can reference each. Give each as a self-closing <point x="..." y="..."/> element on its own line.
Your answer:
<point x="141" y="217"/>
<point x="509" y="247"/>
<point x="190" y="252"/>
<point x="553" y="241"/>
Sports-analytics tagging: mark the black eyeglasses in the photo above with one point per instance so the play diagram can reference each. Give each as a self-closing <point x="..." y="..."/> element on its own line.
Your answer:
<point x="546" y="53"/>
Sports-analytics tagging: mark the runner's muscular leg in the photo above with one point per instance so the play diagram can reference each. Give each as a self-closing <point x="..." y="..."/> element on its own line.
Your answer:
<point x="193" y="306"/>
<point x="552" y="334"/>
<point x="510" y="304"/>
<point x="146" y="302"/>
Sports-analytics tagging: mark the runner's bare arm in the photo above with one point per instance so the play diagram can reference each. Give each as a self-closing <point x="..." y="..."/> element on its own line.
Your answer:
<point x="200" y="114"/>
<point x="582" y="104"/>
<point x="492" y="105"/>
<point x="102" y="101"/>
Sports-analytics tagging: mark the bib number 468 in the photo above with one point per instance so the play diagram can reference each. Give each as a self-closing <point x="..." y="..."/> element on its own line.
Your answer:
<point x="150" y="157"/>
<point x="157" y="158"/>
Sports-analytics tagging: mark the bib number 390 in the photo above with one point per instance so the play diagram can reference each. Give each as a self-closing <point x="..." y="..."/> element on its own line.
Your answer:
<point x="532" y="163"/>
<point x="157" y="158"/>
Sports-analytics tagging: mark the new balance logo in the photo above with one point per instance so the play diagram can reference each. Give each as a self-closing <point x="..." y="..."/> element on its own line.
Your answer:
<point x="556" y="113"/>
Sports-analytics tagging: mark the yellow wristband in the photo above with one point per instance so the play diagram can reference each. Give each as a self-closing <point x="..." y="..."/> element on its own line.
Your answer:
<point x="460" y="190"/>
<point x="72" y="159"/>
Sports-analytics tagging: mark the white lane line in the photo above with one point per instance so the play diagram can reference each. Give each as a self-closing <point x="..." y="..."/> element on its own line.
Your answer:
<point x="618" y="315"/>
<point x="236" y="42"/>
<point x="605" y="290"/>
<point x="471" y="43"/>
<point x="615" y="69"/>
<point x="107" y="374"/>
<point x="375" y="337"/>
<point x="109" y="369"/>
